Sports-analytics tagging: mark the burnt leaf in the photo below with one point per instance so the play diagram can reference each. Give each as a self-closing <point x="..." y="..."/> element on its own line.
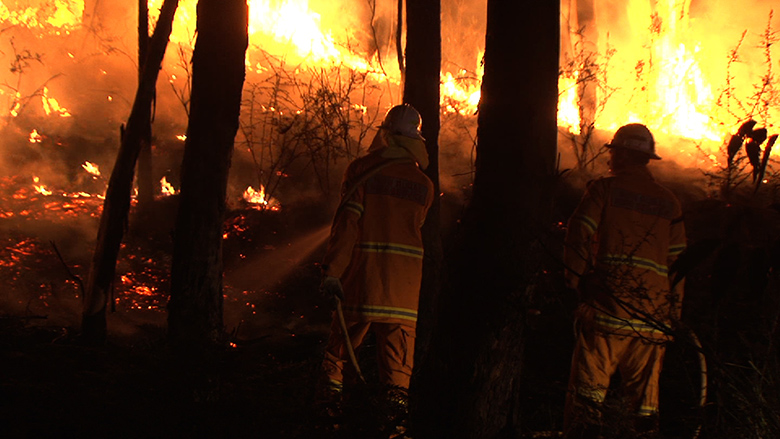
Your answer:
<point x="753" y="151"/>
<point x="746" y="128"/>
<point x="735" y="143"/>
<point x="765" y="160"/>
<point x="758" y="136"/>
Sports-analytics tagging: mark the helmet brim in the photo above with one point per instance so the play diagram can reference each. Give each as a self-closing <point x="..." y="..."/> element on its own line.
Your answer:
<point x="417" y="136"/>
<point x="653" y="156"/>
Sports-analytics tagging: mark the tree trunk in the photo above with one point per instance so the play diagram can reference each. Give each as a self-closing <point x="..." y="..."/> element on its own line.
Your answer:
<point x="116" y="206"/>
<point x="468" y="383"/>
<point x="399" y="32"/>
<point x="195" y="307"/>
<point x="421" y="90"/>
<point x="145" y="178"/>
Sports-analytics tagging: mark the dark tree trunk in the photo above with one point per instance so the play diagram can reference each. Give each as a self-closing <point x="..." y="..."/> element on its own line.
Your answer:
<point x="399" y="32"/>
<point x="421" y="90"/>
<point x="145" y="178"/>
<point x="195" y="307"/>
<point x="116" y="206"/>
<point x="468" y="382"/>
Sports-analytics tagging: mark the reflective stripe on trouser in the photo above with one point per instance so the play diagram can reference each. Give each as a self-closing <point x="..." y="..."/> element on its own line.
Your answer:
<point x="394" y="351"/>
<point x="597" y="356"/>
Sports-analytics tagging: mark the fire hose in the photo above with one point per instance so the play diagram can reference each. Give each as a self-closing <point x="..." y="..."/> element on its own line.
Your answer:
<point x="702" y="374"/>
<point x="347" y="341"/>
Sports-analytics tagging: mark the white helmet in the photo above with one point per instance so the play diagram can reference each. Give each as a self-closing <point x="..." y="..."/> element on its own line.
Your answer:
<point x="403" y="120"/>
<point x="634" y="136"/>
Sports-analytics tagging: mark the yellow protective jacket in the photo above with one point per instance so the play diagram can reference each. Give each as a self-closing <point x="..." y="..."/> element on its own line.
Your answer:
<point x="376" y="246"/>
<point x="626" y="232"/>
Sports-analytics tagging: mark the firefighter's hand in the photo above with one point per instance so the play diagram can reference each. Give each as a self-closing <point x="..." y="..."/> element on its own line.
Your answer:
<point x="331" y="288"/>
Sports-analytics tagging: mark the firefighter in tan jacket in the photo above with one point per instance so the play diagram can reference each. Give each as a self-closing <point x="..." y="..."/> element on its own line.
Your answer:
<point x="620" y="243"/>
<point x="375" y="250"/>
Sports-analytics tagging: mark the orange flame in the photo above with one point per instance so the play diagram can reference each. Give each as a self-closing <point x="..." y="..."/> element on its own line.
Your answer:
<point x="656" y="61"/>
<point x="35" y="137"/>
<point x="42" y="14"/>
<point x="660" y="68"/>
<point x="41" y="189"/>
<point x="51" y="106"/>
<point x="259" y="200"/>
<point x="568" y="103"/>
<point x="166" y="188"/>
<point x="91" y="168"/>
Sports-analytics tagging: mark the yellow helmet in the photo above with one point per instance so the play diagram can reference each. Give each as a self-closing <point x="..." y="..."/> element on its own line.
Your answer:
<point x="634" y="136"/>
<point x="403" y="120"/>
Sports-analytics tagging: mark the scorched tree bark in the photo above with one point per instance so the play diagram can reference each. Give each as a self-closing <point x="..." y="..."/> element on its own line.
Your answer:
<point x="195" y="307"/>
<point x="145" y="179"/>
<point x="116" y="206"/>
<point x="468" y="381"/>
<point x="421" y="90"/>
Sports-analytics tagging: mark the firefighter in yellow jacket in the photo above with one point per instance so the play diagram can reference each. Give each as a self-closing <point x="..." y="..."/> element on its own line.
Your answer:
<point x="620" y="244"/>
<point x="375" y="252"/>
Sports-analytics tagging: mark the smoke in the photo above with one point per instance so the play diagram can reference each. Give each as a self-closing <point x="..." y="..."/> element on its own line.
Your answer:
<point x="90" y="73"/>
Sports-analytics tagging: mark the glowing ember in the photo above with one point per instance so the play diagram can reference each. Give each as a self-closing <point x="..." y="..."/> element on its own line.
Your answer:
<point x="41" y="189"/>
<point x="35" y="137"/>
<point x="136" y="291"/>
<point x="91" y="168"/>
<point x="51" y="106"/>
<point x="166" y="188"/>
<point x="17" y="105"/>
<point x="143" y="290"/>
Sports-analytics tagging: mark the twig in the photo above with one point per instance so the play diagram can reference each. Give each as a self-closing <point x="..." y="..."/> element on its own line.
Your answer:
<point x="70" y="273"/>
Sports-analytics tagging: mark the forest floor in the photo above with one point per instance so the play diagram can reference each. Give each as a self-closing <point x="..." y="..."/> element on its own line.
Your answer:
<point x="52" y="385"/>
<point x="263" y="385"/>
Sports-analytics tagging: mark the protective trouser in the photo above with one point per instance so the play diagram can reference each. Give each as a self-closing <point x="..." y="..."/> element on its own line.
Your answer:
<point x="597" y="356"/>
<point x="394" y="352"/>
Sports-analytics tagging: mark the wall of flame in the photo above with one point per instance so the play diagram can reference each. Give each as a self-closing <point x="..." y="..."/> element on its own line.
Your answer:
<point x="687" y="68"/>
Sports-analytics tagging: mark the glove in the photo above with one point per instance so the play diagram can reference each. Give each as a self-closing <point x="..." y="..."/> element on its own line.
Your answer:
<point x="331" y="288"/>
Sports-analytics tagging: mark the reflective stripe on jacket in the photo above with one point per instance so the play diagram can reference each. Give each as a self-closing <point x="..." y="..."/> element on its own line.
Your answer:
<point x="376" y="244"/>
<point x="628" y="229"/>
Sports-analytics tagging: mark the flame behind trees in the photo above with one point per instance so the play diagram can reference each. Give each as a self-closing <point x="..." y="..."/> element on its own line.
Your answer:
<point x="656" y="65"/>
<point x="661" y="64"/>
